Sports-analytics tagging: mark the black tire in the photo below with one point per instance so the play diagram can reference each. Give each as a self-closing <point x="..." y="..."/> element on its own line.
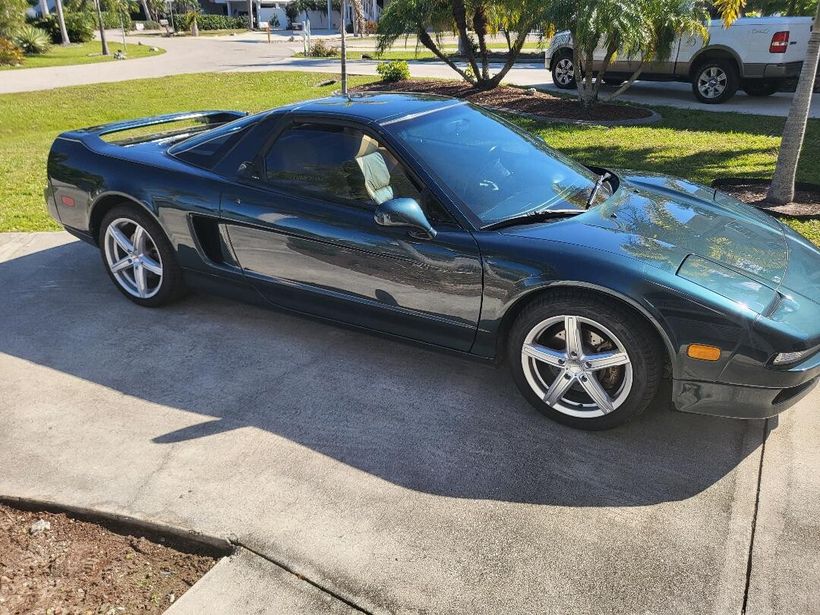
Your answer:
<point x="170" y="286"/>
<point x="563" y="75"/>
<point x="715" y="81"/>
<point x="759" y="87"/>
<point x="638" y="338"/>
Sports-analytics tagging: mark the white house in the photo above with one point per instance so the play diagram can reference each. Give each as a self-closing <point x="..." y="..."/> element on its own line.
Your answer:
<point x="273" y="11"/>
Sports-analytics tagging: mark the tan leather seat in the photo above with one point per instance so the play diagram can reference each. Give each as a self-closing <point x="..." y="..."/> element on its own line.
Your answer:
<point x="375" y="171"/>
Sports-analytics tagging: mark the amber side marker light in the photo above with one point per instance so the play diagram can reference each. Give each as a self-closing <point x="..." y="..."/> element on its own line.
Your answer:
<point x="703" y="352"/>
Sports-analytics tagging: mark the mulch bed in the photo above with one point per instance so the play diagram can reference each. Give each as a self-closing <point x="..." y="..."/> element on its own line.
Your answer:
<point x="515" y="99"/>
<point x="54" y="564"/>
<point x="806" y="202"/>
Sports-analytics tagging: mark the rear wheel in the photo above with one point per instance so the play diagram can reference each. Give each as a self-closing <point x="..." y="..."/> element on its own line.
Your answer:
<point x="563" y="72"/>
<point x="584" y="362"/>
<point x="715" y="81"/>
<point x="139" y="258"/>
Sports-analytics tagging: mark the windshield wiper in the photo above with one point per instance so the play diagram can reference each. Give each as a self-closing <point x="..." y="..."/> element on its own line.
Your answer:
<point x="533" y="216"/>
<point x="598" y="183"/>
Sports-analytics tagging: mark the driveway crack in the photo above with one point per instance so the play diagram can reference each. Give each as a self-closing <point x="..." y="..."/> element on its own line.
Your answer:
<point x="754" y="520"/>
<point x="315" y="584"/>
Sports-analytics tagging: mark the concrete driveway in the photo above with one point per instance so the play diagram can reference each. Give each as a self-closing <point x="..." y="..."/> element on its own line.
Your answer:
<point x="392" y="477"/>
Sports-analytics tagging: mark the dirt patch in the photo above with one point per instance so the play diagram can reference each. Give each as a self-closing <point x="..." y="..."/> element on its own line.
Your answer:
<point x="51" y="563"/>
<point x="806" y="202"/>
<point x="515" y="99"/>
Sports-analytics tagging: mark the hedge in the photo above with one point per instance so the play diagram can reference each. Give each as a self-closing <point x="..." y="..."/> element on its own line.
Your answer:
<point x="221" y="22"/>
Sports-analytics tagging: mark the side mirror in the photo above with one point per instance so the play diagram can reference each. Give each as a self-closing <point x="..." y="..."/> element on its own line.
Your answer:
<point x="248" y="170"/>
<point x="404" y="212"/>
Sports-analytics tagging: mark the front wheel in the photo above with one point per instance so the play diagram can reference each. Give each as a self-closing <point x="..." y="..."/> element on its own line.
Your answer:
<point x="563" y="72"/>
<point x="715" y="81"/>
<point x="583" y="361"/>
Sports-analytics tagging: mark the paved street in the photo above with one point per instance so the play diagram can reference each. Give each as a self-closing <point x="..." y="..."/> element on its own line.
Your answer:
<point x="385" y="476"/>
<point x="251" y="52"/>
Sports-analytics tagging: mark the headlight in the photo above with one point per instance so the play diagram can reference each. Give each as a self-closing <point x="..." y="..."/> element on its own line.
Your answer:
<point x="785" y="358"/>
<point x="727" y="283"/>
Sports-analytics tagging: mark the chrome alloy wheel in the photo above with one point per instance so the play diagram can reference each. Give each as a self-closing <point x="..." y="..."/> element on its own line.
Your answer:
<point x="576" y="366"/>
<point x="133" y="258"/>
<point x="564" y="73"/>
<point x="712" y="82"/>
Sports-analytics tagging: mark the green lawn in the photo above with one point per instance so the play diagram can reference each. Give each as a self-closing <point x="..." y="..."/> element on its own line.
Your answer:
<point x="82" y="53"/>
<point x="693" y="144"/>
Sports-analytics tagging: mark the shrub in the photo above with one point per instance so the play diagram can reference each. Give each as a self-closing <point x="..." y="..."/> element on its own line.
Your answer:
<point x="371" y="27"/>
<point x="32" y="40"/>
<point x="397" y="70"/>
<point x="320" y="49"/>
<point x="111" y="21"/>
<point x="221" y="22"/>
<point x="10" y="54"/>
<point x="80" y="25"/>
<point x="12" y="16"/>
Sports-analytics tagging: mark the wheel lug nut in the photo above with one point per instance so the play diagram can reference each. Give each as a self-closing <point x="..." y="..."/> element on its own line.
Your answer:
<point x="588" y="365"/>
<point x="567" y="376"/>
<point x="583" y="378"/>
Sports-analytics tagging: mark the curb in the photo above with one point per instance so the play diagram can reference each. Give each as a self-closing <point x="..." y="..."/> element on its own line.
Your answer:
<point x="182" y="537"/>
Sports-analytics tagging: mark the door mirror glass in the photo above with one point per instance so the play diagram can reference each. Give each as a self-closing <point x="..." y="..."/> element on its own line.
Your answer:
<point x="248" y="170"/>
<point x="404" y="212"/>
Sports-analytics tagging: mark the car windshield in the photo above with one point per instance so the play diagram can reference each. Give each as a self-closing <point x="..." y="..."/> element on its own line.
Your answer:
<point x="497" y="170"/>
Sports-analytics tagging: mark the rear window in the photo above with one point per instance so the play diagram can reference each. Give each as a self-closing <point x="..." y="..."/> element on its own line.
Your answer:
<point x="208" y="148"/>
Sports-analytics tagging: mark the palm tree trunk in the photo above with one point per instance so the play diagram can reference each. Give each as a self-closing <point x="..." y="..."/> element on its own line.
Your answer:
<point x="782" y="189"/>
<point x="250" y="14"/>
<point x="103" y="40"/>
<point x="44" y="12"/>
<point x="464" y="44"/>
<point x="61" y="21"/>
<point x="146" y="11"/>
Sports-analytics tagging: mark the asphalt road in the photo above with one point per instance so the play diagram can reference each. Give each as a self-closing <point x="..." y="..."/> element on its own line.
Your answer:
<point x="251" y="52"/>
<point x="397" y="478"/>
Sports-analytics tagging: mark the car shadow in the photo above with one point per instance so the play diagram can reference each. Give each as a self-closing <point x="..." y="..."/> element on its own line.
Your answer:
<point x="421" y="419"/>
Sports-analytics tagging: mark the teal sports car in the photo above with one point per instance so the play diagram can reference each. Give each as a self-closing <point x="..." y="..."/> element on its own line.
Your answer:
<point x="433" y="220"/>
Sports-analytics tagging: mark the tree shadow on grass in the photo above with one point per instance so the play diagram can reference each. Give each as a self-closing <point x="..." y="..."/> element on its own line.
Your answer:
<point x="423" y="420"/>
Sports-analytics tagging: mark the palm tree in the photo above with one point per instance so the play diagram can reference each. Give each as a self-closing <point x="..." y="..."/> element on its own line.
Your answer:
<point x="44" y="8"/>
<point x="782" y="189"/>
<point x="61" y="20"/>
<point x="250" y="14"/>
<point x="642" y="30"/>
<point x="421" y="17"/>
<point x="146" y="11"/>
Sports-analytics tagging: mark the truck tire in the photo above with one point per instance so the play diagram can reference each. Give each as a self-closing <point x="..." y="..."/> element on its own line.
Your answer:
<point x="563" y="71"/>
<point x="715" y="81"/>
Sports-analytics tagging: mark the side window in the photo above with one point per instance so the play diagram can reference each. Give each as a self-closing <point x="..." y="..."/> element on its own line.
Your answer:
<point x="337" y="163"/>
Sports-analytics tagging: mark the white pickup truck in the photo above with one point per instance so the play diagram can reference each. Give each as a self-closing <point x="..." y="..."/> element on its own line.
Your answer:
<point x="757" y="54"/>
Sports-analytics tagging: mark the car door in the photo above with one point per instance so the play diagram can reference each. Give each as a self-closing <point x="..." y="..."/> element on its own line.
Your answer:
<point x="302" y="228"/>
<point x="627" y="65"/>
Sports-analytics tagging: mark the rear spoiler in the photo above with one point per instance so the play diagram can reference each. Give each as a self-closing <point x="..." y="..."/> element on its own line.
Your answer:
<point x="209" y="119"/>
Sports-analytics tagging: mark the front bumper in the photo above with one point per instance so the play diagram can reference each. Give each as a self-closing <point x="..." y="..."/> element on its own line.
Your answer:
<point x="785" y="387"/>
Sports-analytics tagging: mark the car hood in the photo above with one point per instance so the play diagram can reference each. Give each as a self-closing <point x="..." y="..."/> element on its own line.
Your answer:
<point x="660" y="220"/>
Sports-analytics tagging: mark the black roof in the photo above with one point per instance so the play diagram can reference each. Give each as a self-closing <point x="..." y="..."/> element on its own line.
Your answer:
<point x="375" y="106"/>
